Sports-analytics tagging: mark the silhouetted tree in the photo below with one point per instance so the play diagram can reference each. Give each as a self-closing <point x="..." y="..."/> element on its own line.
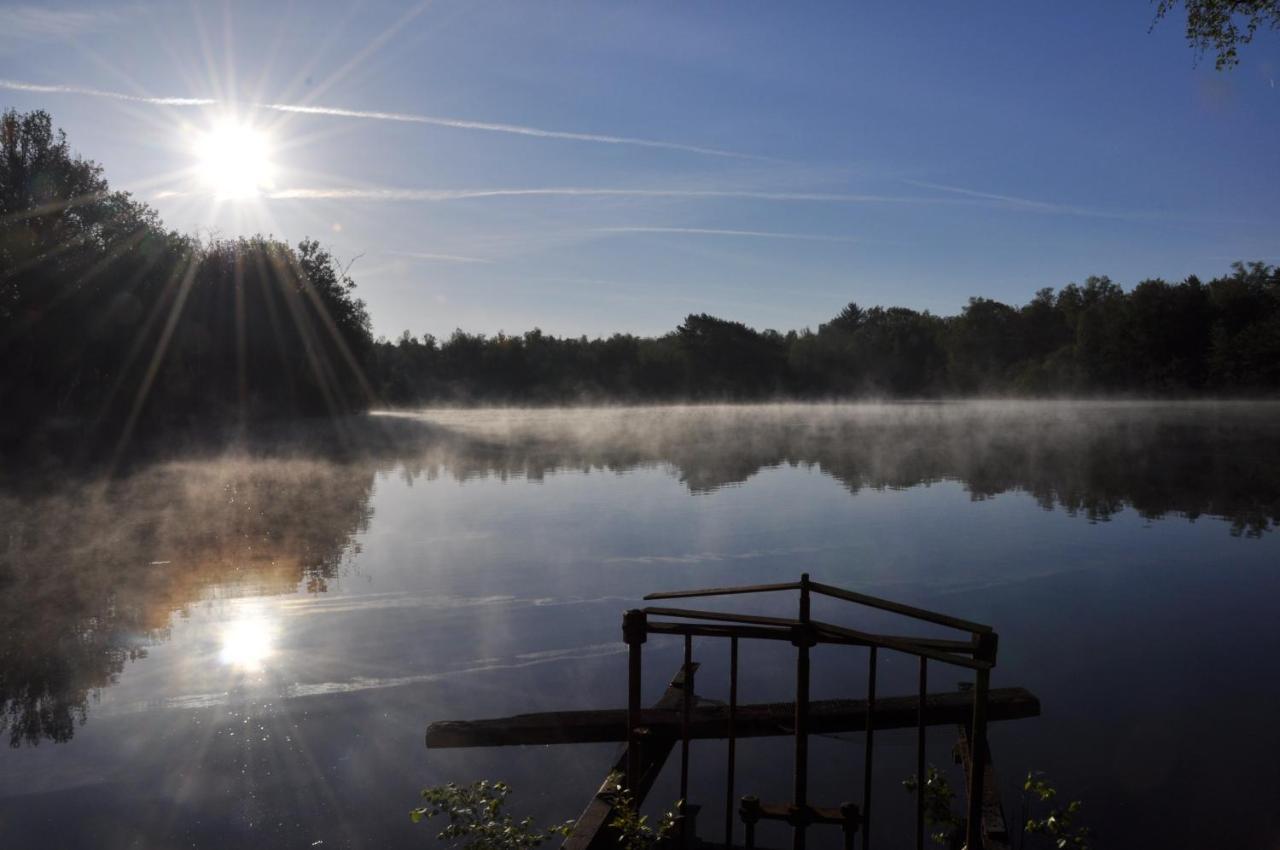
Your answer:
<point x="1188" y="338"/>
<point x="110" y="324"/>
<point x="1223" y="26"/>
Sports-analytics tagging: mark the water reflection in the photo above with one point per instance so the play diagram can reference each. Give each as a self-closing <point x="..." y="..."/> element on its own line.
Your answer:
<point x="1094" y="460"/>
<point x="94" y="572"/>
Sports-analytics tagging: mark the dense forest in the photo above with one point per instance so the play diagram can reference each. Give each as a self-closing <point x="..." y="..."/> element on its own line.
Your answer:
<point x="111" y="325"/>
<point x="1159" y="339"/>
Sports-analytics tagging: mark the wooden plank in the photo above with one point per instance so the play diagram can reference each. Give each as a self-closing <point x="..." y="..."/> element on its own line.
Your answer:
<point x="712" y="721"/>
<point x="723" y="591"/>
<point x="592" y="832"/>
<point x="995" y="831"/>
<point x="898" y="608"/>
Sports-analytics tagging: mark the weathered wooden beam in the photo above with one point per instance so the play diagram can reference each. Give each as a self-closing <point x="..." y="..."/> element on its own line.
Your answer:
<point x="712" y="721"/>
<point x="592" y="832"/>
<point x="995" y="830"/>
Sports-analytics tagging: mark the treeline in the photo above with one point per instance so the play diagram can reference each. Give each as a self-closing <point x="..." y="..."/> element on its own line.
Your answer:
<point x="111" y="325"/>
<point x="1182" y="339"/>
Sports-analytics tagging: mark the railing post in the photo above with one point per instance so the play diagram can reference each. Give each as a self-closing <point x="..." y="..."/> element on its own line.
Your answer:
<point x="750" y="812"/>
<point x="686" y="703"/>
<point x="803" y="640"/>
<point x="733" y="716"/>
<point x="866" y="765"/>
<point x="634" y="632"/>
<point x="986" y="651"/>
<point x="849" y="823"/>
<point x="920" y="742"/>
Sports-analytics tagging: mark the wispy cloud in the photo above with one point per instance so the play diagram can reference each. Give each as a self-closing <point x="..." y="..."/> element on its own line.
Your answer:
<point x="711" y="231"/>
<point x="516" y="129"/>
<point x="18" y="85"/>
<point x="37" y="23"/>
<point x="443" y="258"/>
<point x="403" y="117"/>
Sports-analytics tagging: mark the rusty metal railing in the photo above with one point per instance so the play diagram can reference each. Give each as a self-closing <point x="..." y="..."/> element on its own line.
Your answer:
<point x="976" y="653"/>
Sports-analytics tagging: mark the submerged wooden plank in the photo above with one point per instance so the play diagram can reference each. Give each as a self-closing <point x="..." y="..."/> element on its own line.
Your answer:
<point x="995" y="831"/>
<point x="591" y="831"/>
<point x="712" y="721"/>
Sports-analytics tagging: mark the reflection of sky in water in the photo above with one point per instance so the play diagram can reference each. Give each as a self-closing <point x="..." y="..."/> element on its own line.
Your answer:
<point x="270" y="713"/>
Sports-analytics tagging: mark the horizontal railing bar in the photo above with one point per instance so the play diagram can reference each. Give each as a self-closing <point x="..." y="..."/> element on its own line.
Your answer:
<point x="727" y="630"/>
<point x="898" y="608"/>
<point x="791" y="813"/>
<point x="723" y="591"/>
<point x="722" y="616"/>
<point x="788" y="634"/>
<point x="902" y="646"/>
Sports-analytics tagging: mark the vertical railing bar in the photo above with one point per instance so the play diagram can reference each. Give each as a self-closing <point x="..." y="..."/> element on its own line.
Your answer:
<point x="684" y="737"/>
<point x="920" y="777"/>
<point x="634" y="628"/>
<point x="733" y="742"/>
<point x="802" y="641"/>
<point x="866" y="764"/>
<point x="974" y="836"/>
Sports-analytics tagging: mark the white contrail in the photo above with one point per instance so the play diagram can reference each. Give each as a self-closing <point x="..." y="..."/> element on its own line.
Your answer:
<point x="394" y="194"/>
<point x="715" y="231"/>
<point x="18" y="85"/>
<point x="404" y="117"/>
<point x="444" y="258"/>
<point x="517" y="129"/>
<point x="1025" y="203"/>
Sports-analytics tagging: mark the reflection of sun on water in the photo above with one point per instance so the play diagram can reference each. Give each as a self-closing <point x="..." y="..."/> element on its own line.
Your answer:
<point x="247" y="642"/>
<point x="234" y="160"/>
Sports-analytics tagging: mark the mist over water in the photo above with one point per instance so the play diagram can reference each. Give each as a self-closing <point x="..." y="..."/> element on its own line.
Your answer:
<point x="247" y="644"/>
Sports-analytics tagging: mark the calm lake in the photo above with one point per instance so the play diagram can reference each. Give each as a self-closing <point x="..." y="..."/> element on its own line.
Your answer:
<point x="245" y="648"/>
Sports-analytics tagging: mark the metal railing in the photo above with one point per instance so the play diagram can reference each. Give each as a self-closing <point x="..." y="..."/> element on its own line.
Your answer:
<point x="976" y="653"/>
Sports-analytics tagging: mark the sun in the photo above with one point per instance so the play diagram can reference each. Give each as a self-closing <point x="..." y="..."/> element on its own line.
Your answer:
<point x="234" y="160"/>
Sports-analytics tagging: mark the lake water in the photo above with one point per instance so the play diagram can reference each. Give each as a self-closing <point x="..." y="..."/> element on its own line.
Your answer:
<point x="246" y="647"/>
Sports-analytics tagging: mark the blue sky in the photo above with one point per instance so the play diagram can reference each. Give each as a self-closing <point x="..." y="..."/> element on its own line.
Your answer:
<point x="808" y="154"/>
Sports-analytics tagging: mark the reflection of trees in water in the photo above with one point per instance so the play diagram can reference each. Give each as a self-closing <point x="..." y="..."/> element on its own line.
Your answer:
<point x="92" y="573"/>
<point x="1220" y="460"/>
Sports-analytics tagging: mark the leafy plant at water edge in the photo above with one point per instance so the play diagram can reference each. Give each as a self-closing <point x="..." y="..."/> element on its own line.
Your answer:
<point x="634" y="830"/>
<point x="477" y="821"/>
<point x="1058" y="824"/>
<point x="938" y="796"/>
